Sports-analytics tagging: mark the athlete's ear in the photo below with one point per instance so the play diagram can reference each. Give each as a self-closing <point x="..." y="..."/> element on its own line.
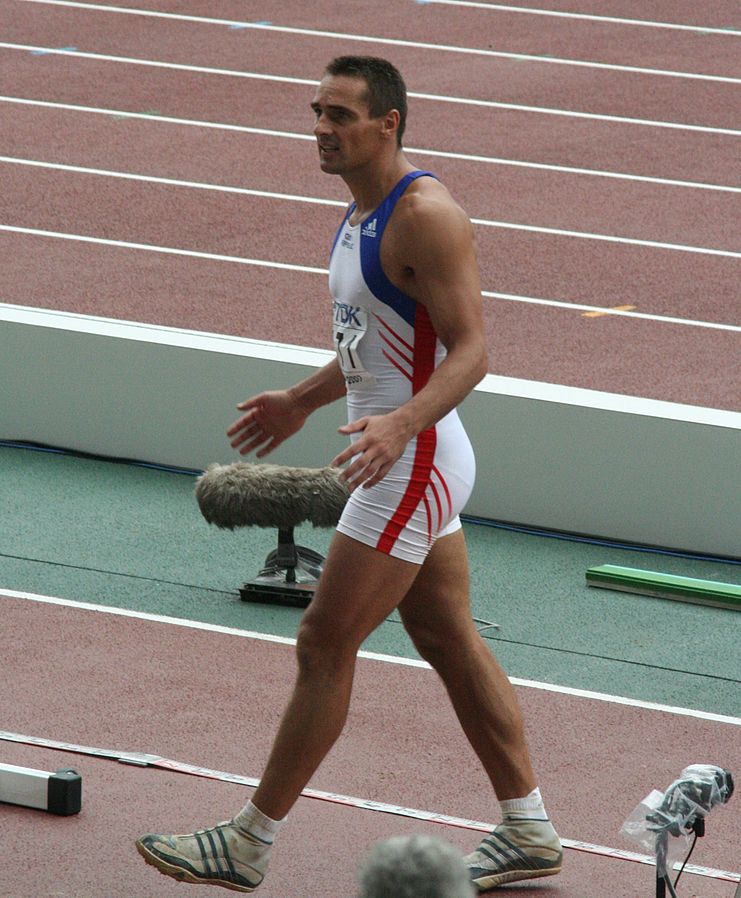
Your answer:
<point x="390" y="124"/>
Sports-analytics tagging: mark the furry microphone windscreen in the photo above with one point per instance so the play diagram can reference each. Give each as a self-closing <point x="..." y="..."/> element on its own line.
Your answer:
<point x="248" y="495"/>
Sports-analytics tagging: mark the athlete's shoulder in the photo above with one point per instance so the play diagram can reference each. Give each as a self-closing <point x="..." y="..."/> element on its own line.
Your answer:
<point x="427" y="207"/>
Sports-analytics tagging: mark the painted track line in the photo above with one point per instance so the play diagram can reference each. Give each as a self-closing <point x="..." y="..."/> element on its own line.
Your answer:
<point x="165" y="250"/>
<point x="306" y="269"/>
<point x="284" y="79"/>
<point x="221" y="188"/>
<point x="482" y="222"/>
<point x="144" y="759"/>
<point x="612" y="20"/>
<point x="174" y="182"/>
<point x="395" y="42"/>
<point x="293" y="135"/>
<point x="561" y="169"/>
<point x="371" y="656"/>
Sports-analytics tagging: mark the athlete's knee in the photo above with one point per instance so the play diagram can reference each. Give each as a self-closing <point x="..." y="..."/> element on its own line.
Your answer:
<point x="320" y="647"/>
<point x="438" y="645"/>
<point x="432" y="643"/>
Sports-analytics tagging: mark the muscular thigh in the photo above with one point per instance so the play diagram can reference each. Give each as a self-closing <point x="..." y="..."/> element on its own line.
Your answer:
<point x="359" y="588"/>
<point x="437" y="606"/>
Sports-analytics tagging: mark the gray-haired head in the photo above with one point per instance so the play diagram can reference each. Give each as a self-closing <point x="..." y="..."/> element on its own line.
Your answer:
<point x="414" y="866"/>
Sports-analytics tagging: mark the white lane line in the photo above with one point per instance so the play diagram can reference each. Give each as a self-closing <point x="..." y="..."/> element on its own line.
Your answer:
<point x="514" y="107"/>
<point x="165" y="250"/>
<point x="145" y="759"/>
<point x="394" y="42"/>
<point x="173" y="182"/>
<point x="607" y="238"/>
<point x="613" y="20"/>
<point x="372" y="656"/>
<point x="580" y="307"/>
<point x="483" y="222"/>
<point x="561" y="169"/>
<point x="546" y="110"/>
<point x="577" y="235"/>
<point x="305" y="269"/>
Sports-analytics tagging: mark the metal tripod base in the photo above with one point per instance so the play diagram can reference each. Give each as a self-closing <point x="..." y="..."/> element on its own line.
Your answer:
<point x="289" y="577"/>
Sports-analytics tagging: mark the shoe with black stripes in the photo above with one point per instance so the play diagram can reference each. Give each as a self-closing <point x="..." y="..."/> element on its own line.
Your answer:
<point x="224" y="855"/>
<point x="514" y="851"/>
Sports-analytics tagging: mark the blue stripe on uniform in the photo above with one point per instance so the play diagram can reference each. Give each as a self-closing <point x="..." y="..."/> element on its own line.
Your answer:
<point x="370" y="253"/>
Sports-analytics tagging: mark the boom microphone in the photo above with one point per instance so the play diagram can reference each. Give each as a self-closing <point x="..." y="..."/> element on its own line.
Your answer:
<point x="245" y="495"/>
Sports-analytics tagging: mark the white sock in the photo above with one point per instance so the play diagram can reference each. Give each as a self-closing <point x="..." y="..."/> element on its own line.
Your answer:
<point x="258" y="824"/>
<point x="530" y="807"/>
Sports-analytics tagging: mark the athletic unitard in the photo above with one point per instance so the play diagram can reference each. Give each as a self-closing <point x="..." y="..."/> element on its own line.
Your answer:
<point x="387" y="349"/>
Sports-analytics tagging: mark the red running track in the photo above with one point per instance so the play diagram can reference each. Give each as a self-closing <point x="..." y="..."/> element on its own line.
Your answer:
<point x="140" y="686"/>
<point x="103" y="679"/>
<point x="682" y="362"/>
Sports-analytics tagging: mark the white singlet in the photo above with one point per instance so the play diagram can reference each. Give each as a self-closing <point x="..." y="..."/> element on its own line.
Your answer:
<point x="387" y="349"/>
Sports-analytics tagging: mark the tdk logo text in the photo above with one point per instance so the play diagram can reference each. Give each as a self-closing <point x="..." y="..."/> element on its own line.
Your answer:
<point x="347" y="315"/>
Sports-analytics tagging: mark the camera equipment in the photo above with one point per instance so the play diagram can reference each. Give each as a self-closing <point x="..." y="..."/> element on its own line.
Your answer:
<point x="678" y="812"/>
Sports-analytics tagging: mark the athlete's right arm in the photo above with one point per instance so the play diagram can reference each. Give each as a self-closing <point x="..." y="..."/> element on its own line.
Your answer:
<point x="273" y="416"/>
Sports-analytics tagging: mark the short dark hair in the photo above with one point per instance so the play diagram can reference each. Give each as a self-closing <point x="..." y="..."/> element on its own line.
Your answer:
<point x="386" y="88"/>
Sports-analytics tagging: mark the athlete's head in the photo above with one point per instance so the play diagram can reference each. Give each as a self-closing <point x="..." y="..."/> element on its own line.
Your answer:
<point x="385" y="86"/>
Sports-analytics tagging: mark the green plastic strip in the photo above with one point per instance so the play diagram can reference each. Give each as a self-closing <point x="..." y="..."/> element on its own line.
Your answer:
<point x="665" y="586"/>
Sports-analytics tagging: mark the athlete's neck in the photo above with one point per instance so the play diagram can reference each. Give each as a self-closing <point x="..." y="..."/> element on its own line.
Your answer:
<point x="370" y="187"/>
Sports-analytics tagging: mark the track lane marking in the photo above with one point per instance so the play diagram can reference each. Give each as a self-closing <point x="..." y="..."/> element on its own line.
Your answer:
<point x="282" y="79"/>
<point x="612" y="20"/>
<point x="306" y="269"/>
<point x="372" y="656"/>
<point x="561" y="169"/>
<point x="515" y="107"/>
<point x="144" y="759"/>
<point x="245" y="191"/>
<point x="483" y="222"/>
<point x="174" y="182"/>
<point x="394" y="42"/>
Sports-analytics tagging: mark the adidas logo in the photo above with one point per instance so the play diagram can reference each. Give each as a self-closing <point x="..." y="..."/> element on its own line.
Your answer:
<point x="370" y="229"/>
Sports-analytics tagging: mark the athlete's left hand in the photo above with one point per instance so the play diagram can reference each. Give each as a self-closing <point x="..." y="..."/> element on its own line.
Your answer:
<point x="383" y="440"/>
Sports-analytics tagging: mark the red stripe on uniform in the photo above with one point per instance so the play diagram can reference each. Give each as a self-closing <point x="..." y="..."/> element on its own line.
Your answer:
<point x="394" y="362"/>
<point x="436" y="497"/>
<point x="429" y="520"/>
<point x="445" y="487"/>
<point x="425" y="342"/>
<point x="392" y="331"/>
<point x="396" y="349"/>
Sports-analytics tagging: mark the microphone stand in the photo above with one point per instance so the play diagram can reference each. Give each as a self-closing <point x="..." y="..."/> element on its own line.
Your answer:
<point x="663" y="881"/>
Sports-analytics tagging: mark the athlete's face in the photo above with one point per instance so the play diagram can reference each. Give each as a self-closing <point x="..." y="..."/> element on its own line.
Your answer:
<point x="347" y="137"/>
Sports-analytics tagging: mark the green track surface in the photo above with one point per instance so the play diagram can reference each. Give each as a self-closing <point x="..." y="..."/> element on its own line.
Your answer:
<point x="132" y="537"/>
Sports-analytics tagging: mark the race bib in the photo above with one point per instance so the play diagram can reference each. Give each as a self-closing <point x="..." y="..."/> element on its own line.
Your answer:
<point x="349" y="328"/>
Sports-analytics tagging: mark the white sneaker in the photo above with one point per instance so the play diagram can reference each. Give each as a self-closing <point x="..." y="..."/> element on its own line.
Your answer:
<point x="225" y="855"/>
<point x="527" y="849"/>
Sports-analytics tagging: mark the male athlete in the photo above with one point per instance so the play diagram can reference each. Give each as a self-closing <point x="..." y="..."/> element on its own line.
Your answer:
<point x="409" y="339"/>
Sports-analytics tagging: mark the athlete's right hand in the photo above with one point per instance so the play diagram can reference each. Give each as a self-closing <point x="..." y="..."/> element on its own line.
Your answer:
<point x="270" y="418"/>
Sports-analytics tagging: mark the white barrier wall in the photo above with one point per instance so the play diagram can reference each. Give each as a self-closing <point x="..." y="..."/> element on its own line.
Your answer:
<point x="548" y="456"/>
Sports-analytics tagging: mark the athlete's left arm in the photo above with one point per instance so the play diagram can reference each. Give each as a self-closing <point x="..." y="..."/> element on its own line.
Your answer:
<point x="434" y="238"/>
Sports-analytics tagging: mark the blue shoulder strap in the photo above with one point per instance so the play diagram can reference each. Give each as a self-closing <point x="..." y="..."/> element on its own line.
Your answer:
<point x="370" y="252"/>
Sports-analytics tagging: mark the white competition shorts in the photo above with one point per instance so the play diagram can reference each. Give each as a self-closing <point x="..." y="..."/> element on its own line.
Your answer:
<point x="419" y="499"/>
